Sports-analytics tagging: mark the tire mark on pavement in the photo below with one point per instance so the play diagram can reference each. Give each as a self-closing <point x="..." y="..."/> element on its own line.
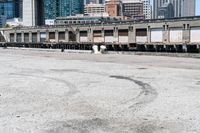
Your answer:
<point x="78" y="126"/>
<point x="146" y="95"/>
<point x="72" y="88"/>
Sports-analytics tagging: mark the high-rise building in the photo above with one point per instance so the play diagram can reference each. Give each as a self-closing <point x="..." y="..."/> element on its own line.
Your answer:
<point x="18" y="8"/>
<point x="147" y="9"/>
<point x="29" y="16"/>
<point x="94" y="9"/>
<point x="114" y="8"/>
<point x="166" y="11"/>
<point x="62" y="8"/>
<point x="189" y="7"/>
<point x="70" y="7"/>
<point x="2" y="20"/>
<point x="33" y="12"/>
<point x="7" y="9"/>
<point x="10" y="9"/>
<point x="182" y="8"/>
<point x="51" y="9"/>
<point x="133" y="9"/>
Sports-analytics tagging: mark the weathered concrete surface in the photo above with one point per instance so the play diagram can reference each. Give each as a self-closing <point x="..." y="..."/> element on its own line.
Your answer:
<point x="51" y="92"/>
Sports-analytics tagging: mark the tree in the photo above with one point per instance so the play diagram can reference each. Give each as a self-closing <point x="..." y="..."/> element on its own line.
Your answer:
<point x="7" y="26"/>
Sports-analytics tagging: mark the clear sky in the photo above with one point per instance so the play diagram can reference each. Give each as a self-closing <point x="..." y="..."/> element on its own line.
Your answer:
<point x="197" y="7"/>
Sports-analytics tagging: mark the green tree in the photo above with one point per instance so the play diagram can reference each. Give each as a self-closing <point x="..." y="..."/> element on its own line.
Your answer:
<point x="7" y="26"/>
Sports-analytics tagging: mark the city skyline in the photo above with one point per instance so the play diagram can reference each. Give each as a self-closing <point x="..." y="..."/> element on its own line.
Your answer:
<point x="37" y="12"/>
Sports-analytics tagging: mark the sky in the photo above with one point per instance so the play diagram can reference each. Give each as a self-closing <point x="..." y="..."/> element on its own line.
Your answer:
<point x="197" y="7"/>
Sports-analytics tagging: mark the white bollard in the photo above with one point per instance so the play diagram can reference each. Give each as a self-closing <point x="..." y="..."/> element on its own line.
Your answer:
<point x="102" y="49"/>
<point x="95" y="49"/>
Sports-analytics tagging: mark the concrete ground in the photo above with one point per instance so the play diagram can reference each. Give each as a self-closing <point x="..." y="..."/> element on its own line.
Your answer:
<point x="53" y="92"/>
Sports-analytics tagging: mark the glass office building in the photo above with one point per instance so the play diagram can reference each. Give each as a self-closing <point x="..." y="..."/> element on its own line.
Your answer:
<point x="51" y="9"/>
<point x="37" y="11"/>
<point x="18" y="7"/>
<point x="7" y="9"/>
<point x="11" y="8"/>
<point x="62" y="8"/>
